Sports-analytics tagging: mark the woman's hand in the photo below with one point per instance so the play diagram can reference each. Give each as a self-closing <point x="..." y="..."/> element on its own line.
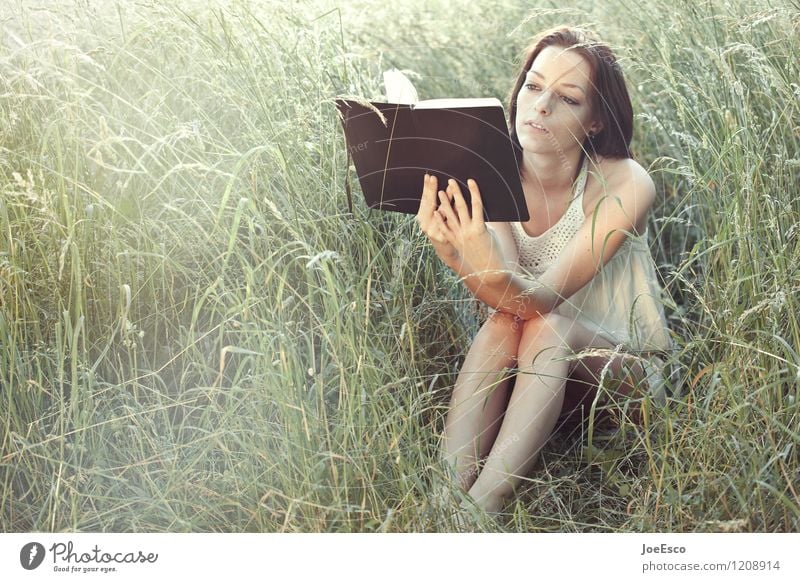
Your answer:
<point x="468" y="234"/>
<point x="426" y="217"/>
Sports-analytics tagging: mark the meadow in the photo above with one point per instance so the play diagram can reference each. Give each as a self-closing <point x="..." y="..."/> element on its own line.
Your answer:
<point x="198" y="335"/>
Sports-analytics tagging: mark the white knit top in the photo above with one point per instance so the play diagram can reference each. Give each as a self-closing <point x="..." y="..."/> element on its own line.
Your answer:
<point x="622" y="302"/>
<point x="536" y="253"/>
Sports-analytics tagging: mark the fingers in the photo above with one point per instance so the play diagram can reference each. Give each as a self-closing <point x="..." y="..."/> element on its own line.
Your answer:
<point x="477" y="203"/>
<point x="475" y="218"/>
<point x="461" y="204"/>
<point x="446" y="210"/>
<point x="428" y="201"/>
<point x="442" y="233"/>
<point x="427" y="209"/>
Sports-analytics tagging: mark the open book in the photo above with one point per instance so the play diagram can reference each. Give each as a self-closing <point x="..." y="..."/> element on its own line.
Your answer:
<point x="394" y="143"/>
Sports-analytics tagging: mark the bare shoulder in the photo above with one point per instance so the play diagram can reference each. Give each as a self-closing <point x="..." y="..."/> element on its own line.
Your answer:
<point x="622" y="172"/>
<point x="611" y="177"/>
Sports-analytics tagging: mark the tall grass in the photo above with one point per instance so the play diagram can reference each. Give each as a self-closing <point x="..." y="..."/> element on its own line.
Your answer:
<point x="197" y="335"/>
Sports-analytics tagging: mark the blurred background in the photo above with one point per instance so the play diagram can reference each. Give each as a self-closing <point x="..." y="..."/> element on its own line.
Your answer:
<point x="197" y="335"/>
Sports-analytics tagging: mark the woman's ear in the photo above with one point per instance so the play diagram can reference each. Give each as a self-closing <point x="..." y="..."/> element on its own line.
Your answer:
<point x="594" y="128"/>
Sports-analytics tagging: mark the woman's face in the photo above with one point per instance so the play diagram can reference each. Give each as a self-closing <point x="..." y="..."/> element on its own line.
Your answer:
<point x="555" y="95"/>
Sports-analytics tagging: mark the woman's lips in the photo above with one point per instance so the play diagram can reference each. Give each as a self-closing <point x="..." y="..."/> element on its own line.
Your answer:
<point x="535" y="128"/>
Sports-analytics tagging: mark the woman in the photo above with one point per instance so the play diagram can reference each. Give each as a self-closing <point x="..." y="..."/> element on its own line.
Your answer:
<point x="577" y="276"/>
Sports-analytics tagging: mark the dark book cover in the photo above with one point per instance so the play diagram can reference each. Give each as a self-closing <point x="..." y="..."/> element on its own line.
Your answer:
<point x="393" y="145"/>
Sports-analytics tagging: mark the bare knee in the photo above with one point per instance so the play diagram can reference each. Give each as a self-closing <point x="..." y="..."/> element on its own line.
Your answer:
<point x="498" y="337"/>
<point x="549" y="330"/>
<point x="505" y="320"/>
<point x="502" y="329"/>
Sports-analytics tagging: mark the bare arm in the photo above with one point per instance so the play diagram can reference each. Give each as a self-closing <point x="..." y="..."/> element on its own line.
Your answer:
<point x="513" y="294"/>
<point x="629" y="198"/>
<point x="502" y="231"/>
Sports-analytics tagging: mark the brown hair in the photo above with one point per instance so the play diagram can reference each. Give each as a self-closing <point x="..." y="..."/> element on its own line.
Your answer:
<point x="609" y="100"/>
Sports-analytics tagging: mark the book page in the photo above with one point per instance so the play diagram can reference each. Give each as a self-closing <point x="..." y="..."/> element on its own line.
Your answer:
<point x="399" y="88"/>
<point x="453" y="103"/>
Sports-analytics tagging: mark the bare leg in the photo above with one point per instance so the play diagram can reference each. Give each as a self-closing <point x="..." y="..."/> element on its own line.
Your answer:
<point x="479" y="397"/>
<point x="536" y="402"/>
<point x="532" y="412"/>
<point x="626" y="369"/>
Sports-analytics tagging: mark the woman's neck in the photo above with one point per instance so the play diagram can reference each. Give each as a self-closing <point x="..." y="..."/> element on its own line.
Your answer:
<point x="551" y="173"/>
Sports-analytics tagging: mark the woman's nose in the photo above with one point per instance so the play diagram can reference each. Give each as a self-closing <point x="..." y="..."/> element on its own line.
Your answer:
<point x="542" y="103"/>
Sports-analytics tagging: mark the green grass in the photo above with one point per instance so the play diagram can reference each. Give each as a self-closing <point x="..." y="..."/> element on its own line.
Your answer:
<point x="196" y="335"/>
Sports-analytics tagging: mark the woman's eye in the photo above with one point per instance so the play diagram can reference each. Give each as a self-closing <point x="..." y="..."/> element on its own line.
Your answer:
<point x="534" y="87"/>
